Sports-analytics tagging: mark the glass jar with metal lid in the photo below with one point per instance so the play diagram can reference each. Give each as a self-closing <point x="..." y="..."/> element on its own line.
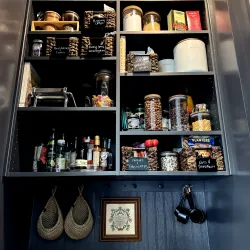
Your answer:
<point x="201" y="121"/>
<point x="153" y="112"/>
<point x="178" y="111"/>
<point x="37" y="47"/>
<point x="51" y="16"/>
<point x="70" y="15"/>
<point x="132" y="18"/>
<point x="151" y="21"/>
<point x="169" y="161"/>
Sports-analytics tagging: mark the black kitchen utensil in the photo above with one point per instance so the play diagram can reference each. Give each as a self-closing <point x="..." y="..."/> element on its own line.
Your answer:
<point x="196" y="215"/>
<point x="182" y="213"/>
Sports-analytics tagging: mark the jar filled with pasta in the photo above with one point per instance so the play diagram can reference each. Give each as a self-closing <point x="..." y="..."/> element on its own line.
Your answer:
<point x="151" y="21"/>
<point x="201" y="121"/>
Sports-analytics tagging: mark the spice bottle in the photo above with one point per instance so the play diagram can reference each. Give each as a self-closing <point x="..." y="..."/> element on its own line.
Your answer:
<point x="96" y="153"/>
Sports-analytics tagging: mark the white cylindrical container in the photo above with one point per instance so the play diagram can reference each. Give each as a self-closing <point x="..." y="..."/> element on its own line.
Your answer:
<point x="190" y="56"/>
<point x="132" y="18"/>
<point x="166" y="65"/>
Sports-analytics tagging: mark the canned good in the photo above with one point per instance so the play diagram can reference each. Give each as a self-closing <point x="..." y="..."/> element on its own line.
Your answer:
<point x="153" y="112"/>
<point x="169" y="161"/>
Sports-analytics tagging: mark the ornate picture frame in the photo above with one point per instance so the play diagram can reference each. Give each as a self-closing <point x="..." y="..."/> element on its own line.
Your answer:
<point x="120" y="219"/>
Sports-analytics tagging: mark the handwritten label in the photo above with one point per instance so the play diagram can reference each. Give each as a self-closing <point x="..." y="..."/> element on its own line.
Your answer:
<point x="142" y="63"/>
<point x="96" y="47"/>
<point x="98" y="22"/>
<point x="61" y="49"/>
<point x="137" y="164"/>
<point x="206" y="165"/>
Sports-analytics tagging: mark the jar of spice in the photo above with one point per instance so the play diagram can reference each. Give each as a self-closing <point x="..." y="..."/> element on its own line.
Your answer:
<point x="201" y="121"/>
<point x="153" y="112"/>
<point x="151" y="21"/>
<point x="132" y="18"/>
<point x="37" y="47"/>
<point x="169" y="161"/>
<point x="178" y="111"/>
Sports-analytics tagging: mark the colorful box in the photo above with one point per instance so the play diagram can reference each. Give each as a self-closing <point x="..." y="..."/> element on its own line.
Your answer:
<point x="177" y="20"/>
<point x="193" y="20"/>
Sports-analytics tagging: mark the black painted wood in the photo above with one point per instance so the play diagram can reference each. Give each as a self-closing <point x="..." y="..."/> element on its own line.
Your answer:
<point x="160" y="230"/>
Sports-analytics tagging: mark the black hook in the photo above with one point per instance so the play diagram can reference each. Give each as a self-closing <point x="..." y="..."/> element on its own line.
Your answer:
<point x="134" y="185"/>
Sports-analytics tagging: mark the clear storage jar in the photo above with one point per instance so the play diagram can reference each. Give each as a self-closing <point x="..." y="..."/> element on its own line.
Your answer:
<point x="37" y="47"/>
<point x="51" y="16"/>
<point x="178" y="111"/>
<point x="201" y="121"/>
<point x="132" y="18"/>
<point x="153" y="112"/>
<point x="169" y="161"/>
<point x="151" y="21"/>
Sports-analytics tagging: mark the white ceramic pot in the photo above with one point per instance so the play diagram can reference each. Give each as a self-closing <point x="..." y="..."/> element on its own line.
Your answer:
<point x="190" y="56"/>
<point x="166" y="65"/>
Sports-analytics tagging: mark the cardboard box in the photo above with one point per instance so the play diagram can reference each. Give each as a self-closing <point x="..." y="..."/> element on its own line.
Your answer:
<point x="177" y="20"/>
<point x="193" y="20"/>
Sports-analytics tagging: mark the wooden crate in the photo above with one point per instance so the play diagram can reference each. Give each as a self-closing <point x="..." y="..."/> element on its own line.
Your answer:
<point x="59" y="24"/>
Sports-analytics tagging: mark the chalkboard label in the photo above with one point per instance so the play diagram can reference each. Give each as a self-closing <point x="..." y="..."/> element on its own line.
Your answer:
<point x="61" y="49"/>
<point x="138" y="164"/>
<point x="206" y="165"/>
<point x="96" y="47"/>
<point x="98" y="22"/>
<point x="142" y="63"/>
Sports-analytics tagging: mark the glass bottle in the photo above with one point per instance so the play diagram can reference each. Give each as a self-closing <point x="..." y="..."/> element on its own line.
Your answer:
<point x="51" y="153"/>
<point x="110" y="156"/>
<point x="67" y="156"/>
<point x="96" y="153"/>
<point x="73" y="154"/>
<point x="104" y="155"/>
<point x="60" y="156"/>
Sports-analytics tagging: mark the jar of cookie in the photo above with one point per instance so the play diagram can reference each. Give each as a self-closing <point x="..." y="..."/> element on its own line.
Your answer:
<point x="153" y="112"/>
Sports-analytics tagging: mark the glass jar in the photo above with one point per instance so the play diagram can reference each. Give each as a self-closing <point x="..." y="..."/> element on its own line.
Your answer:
<point x="151" y="21"/>
<point x="201" y="121"/>
<point x="169" y="161"/>
<point x="165" y="120"/>
<point x="37" y="47"/>
<point x="178" y="111"/>
<point x="70" y="15"/>
<point x="132" y="18"/>
<point x="139" y="111"/>
<point x="133" y="122"/>
<point x="153" y="112"/>
<point x="51" y="16"/>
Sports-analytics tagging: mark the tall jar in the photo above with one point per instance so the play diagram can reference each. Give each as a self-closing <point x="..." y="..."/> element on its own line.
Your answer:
<point x="201" y="121"/>
<point x="153" y="112"/>
<point x="151" y="21"/>
<point x="178" y="111"/>
<point x="132" y="18"/>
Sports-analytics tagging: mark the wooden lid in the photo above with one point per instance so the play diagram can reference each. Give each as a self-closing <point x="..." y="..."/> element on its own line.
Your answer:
<point x="177" y="97"/>
<point x="52" y="12"/>
<point x="152" y="13"/>
<point x="132" y="7"/>
<point x="151" y="96"/>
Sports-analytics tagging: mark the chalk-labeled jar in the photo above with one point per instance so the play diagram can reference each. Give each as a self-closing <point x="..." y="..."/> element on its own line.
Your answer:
<point x="151" y="21"/>
<point x="132" y="18"/>
<point x="37" y="47"/>
<point x="153" y="112"/>
<point x="201" y="121"/>
<point x="169" y="161"/>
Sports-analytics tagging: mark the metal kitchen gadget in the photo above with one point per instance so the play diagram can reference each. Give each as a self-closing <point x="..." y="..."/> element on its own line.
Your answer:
<point x="54" y="96"/>
<point x="182" y="213"/>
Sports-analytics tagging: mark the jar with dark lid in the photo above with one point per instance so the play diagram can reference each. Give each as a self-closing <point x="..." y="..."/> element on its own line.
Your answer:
<point x="151" y="21"/>
<point x="178" y="111"/>
<point x="103" y="79"/>
<point x="153" y="112"/>
<point x="169" y="161"/>
<point x="201" y="121"/>
<point x="70" y="15"/>
<point x="37" y="47"/>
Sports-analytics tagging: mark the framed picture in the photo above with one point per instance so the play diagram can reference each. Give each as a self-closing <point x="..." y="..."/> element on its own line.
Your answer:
<point x="120" y="219"/>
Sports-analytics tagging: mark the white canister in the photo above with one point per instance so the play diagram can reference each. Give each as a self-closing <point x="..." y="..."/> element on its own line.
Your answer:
<point x="166" y="65"/>
<point x="190" y="56"/>
<point x="132" y="18"/>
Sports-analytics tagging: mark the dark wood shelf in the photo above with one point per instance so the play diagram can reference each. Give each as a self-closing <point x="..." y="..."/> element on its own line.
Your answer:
<point x="165" y="32"/>
<point x="62" y="109"/>
<point x="178" y="133"/>
<point x="76" y="58"/>
<point x="209" y="73"/>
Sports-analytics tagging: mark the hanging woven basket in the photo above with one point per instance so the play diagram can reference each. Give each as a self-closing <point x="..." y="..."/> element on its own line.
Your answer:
<point x="50" y="221"/>
<point x="79" y="221"/>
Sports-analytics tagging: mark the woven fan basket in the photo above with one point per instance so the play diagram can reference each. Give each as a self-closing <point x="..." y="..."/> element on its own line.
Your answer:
<point x="79" y="221"/>
<point x="50" y="221"/>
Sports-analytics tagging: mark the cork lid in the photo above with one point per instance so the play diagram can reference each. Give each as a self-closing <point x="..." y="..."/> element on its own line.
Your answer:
<point x="152" y="96"/>
<point x="171" y="98"/>
<point x="152" y="13"/>
<point x="132" y="7"/>
<point x="52" y="12"/>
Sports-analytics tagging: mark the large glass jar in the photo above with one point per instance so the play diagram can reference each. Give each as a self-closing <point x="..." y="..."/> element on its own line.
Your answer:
<point x="153" y="112"/>
<point x="151" y="21"/>
<point x="178" y="111"/>
<point x="169" y="161"/>
<point x="132" y="18"/>
<point x="201" y="121"/>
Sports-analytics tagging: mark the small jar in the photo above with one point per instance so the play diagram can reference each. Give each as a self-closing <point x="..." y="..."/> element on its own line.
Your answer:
<point x="201" y="121"/>
<point x="151" y="21"/>
<point x="178" y="111"/>
<point x="70" y="15"/>
<point x="153" y="112"/>
<point x="165" y="120"/>
<point x="51" y="16"/>
<point x="139" y="111"/>
<point x="169" y="161"/>
<point x="132" y="18"/>
<point x="37" y="47"/>
<point x="133" y="122"/>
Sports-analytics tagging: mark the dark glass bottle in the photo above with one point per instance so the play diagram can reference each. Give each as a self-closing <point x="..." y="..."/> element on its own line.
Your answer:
<point x="110" y="156"/>
<point x="51" y="153"/>
<point x="104" y="155"/>
<point x="73" y="154"/>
